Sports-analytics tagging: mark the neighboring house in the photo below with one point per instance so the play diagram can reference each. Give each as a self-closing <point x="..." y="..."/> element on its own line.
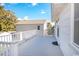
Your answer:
<point x="66" y="17"/>
<point x="25" y="25"/>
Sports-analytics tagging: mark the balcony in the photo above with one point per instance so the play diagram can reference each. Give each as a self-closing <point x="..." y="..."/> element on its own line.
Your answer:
<point x="28" y="43"/>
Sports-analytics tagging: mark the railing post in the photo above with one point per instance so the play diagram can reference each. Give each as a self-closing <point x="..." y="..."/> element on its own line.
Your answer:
<point x="21" y="38"/>
<point x="14" y="49"/>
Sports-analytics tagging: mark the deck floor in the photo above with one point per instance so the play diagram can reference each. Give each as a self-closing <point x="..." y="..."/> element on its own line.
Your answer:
<point x="40" y="46"/>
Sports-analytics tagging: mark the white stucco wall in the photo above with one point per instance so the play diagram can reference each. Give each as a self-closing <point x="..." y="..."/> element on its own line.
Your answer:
<point x="65" y="24"/>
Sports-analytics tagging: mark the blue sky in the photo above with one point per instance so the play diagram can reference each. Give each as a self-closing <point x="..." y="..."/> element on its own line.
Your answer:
<point x="31" y="11"/>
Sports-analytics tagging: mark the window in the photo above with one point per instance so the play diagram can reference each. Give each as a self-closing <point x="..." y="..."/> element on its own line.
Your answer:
<point x="57" y="31"/>
<point x="76" y="24"/>
<point x="76" y="32"/>
<point x="38" y="27"/>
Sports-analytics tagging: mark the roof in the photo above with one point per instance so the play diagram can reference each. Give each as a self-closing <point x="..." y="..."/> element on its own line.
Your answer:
<point x="30" y="22"/>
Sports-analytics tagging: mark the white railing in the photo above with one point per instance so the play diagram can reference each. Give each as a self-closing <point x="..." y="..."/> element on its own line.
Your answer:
<point x="9" y="43"/>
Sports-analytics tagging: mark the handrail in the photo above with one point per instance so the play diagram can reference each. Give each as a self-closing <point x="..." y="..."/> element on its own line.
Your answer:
<point x="9" y="43"/>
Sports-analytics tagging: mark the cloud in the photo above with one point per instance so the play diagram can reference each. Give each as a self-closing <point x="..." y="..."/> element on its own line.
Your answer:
<point x="43" y="12"/>
<point x="34" y="4"/>
<point x="19" y="19"/>
<point x="26" y="18"/>
<point x="2" y="4"/>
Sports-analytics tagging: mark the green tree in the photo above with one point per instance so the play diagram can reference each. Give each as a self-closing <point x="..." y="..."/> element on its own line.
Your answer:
<point x="7" y="20"/>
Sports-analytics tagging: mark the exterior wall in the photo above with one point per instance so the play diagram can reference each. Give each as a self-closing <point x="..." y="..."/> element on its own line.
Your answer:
<point x="65" y="24"/>
<point x="57" y="9"/>
<point x="23" y="27"/>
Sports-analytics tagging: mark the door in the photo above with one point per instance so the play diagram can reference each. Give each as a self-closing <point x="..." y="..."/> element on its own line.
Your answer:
<point x="38" y="27"/>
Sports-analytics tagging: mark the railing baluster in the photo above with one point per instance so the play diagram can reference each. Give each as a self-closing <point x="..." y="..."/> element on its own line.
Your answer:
<point x="4" y="38"/>
<point x="8" y="38"/>
<point x="6" y="49"/>
<point x="13" y="37"/>
<point x="0" y="47"/>
<point x="1" y="38"/>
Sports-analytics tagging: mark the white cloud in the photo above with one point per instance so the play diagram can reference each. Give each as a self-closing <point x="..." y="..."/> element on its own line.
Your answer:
<point x="19" y="19"/>
<point x="43" y="11"/>
<point x="34" y="4"/>
<point x="2" y="4"/>
<point x="26" y="18"/>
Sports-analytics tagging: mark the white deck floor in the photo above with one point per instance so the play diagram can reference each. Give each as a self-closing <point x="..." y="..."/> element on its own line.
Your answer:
<point x="40" y="46"/>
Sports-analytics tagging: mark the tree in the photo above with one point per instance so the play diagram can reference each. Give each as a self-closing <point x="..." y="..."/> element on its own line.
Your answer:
<point x="50" y="29"/>
<point x="7" y="20"/>
<point x="0" y="28"/>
